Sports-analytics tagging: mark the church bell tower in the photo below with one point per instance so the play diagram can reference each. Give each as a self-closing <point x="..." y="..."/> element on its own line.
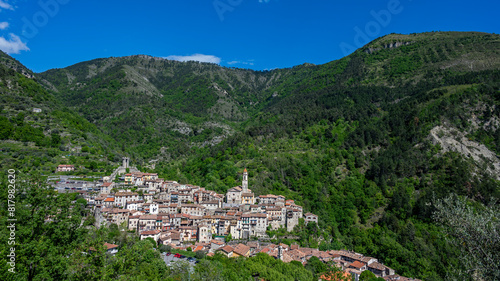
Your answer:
<point x="245" y="181"/>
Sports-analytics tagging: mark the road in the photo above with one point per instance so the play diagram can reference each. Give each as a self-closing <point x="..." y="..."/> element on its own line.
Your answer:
<point x="72" y="184"/>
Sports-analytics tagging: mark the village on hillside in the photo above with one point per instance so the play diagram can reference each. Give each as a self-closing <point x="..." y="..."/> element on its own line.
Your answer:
<point x="187" y="216"/>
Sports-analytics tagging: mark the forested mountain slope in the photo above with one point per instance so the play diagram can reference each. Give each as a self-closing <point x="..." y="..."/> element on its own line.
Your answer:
<point x="367" y="142"/>
<point x="353" y="144"/>
<point x="37" y="131"/>
<point x="154" y="105"/>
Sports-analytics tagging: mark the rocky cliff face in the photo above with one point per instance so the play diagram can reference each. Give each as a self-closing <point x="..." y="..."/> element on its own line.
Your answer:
<point x="451" y="139"/>
<point x="387" y="46"/>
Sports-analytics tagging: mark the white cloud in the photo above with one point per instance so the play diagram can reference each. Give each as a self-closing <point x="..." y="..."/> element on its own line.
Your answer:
<point x="196" y="57"/>
<point x="264" y="1"/>
<point x="4" y="25"/>
<point x="5" y="5"/>
<point x="12" y="46"/>
<point x="250" y="62"/>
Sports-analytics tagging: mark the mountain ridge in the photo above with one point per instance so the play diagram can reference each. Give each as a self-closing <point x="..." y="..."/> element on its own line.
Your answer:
<point x="203" y="91"/>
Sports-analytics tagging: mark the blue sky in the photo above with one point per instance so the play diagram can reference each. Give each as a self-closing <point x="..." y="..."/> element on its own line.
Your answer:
<point x="256" y="34"/>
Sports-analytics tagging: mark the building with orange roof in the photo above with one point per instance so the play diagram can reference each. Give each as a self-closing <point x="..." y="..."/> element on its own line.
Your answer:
<point x="109" y="202"/>
<point x="241" y="250"/>
<point x="336" y="276"/>
<point x="226" y="250"/>
<point x="361" y="266"/>
<point x="65" y="168"/>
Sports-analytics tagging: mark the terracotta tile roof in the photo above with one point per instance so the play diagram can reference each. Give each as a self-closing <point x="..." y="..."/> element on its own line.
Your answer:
<point x="126" y="194"/>
<point x="217" y="242"/>
<point x="335" y="276"/>
<point x="242" y="249"/>
<point x="287" y="258"/>
<point x="324" y="255"/>
<point x="265" y="250"/>
<point x="254" y="215"/>
<point x="110" y="246"/>
<point x="148" y="217"/>
<point x="150" y="232"/>
<point x="377" y="265"/>
<point x="110" y="199"/>
<point x="228" y="249"/>
<point x="285" y="246"/>
<point x="357" y="264"/>
<point x="235" y="189"/>
<point x="309" y="251"/>
<point x="296" y="254"/>
<point x="399" y="278"/>
<point x="253" y="244"/>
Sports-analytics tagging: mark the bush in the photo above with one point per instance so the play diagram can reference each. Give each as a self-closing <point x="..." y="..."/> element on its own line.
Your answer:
<point x="165" y="248"/>
<point x="200" y="255"/>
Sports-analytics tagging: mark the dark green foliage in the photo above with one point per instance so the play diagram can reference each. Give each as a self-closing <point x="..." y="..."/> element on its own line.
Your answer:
<point x="367" y="276"/>
<point x="6" y="128"/>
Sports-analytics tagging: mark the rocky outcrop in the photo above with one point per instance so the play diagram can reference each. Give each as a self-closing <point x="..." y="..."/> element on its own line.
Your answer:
<point x="450" y="139"/>
<point x="387" y="46"/>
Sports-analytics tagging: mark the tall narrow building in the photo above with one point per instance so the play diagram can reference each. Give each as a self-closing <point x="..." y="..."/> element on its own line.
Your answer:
<point x="241" y="194"/>
<point x="244" y="184"/>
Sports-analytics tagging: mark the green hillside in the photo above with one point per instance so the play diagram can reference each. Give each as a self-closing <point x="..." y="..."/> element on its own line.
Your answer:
<point x="368" y="142"/>
<point x="38" y="132"/>
<point x="352" y="143"/>
<point x="160" y="108"/>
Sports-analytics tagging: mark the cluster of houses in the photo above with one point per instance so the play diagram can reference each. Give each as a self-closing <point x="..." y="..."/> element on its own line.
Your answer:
<point x="351" y="263"/>
<point x="182" y="215"/>
<point x="174" y="213"/>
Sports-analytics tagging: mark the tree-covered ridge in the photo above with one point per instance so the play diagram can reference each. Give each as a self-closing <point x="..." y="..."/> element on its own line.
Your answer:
<point x="371" y="181"/>
<point x="139" y="99"/>
<point x="36" y="129"/>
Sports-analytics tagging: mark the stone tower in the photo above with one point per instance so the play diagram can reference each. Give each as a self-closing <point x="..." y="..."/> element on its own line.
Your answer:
<point x="126" y="162"/>
<point x="245" y="181"/>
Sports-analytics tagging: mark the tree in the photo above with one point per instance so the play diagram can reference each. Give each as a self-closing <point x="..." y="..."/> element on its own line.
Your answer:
<point x="366" y="275"/>
<point x="152" y="241"/>
<point x="200" y="255"/>
<point x="476" y="232"/>
<point x="165" y="248"/>
<point x="92" y="166"/>
<point x="209" y="270"/>
<point x="5" y="128"/>
<point x="49" y="231"/>
<point x="316" y="266"/>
